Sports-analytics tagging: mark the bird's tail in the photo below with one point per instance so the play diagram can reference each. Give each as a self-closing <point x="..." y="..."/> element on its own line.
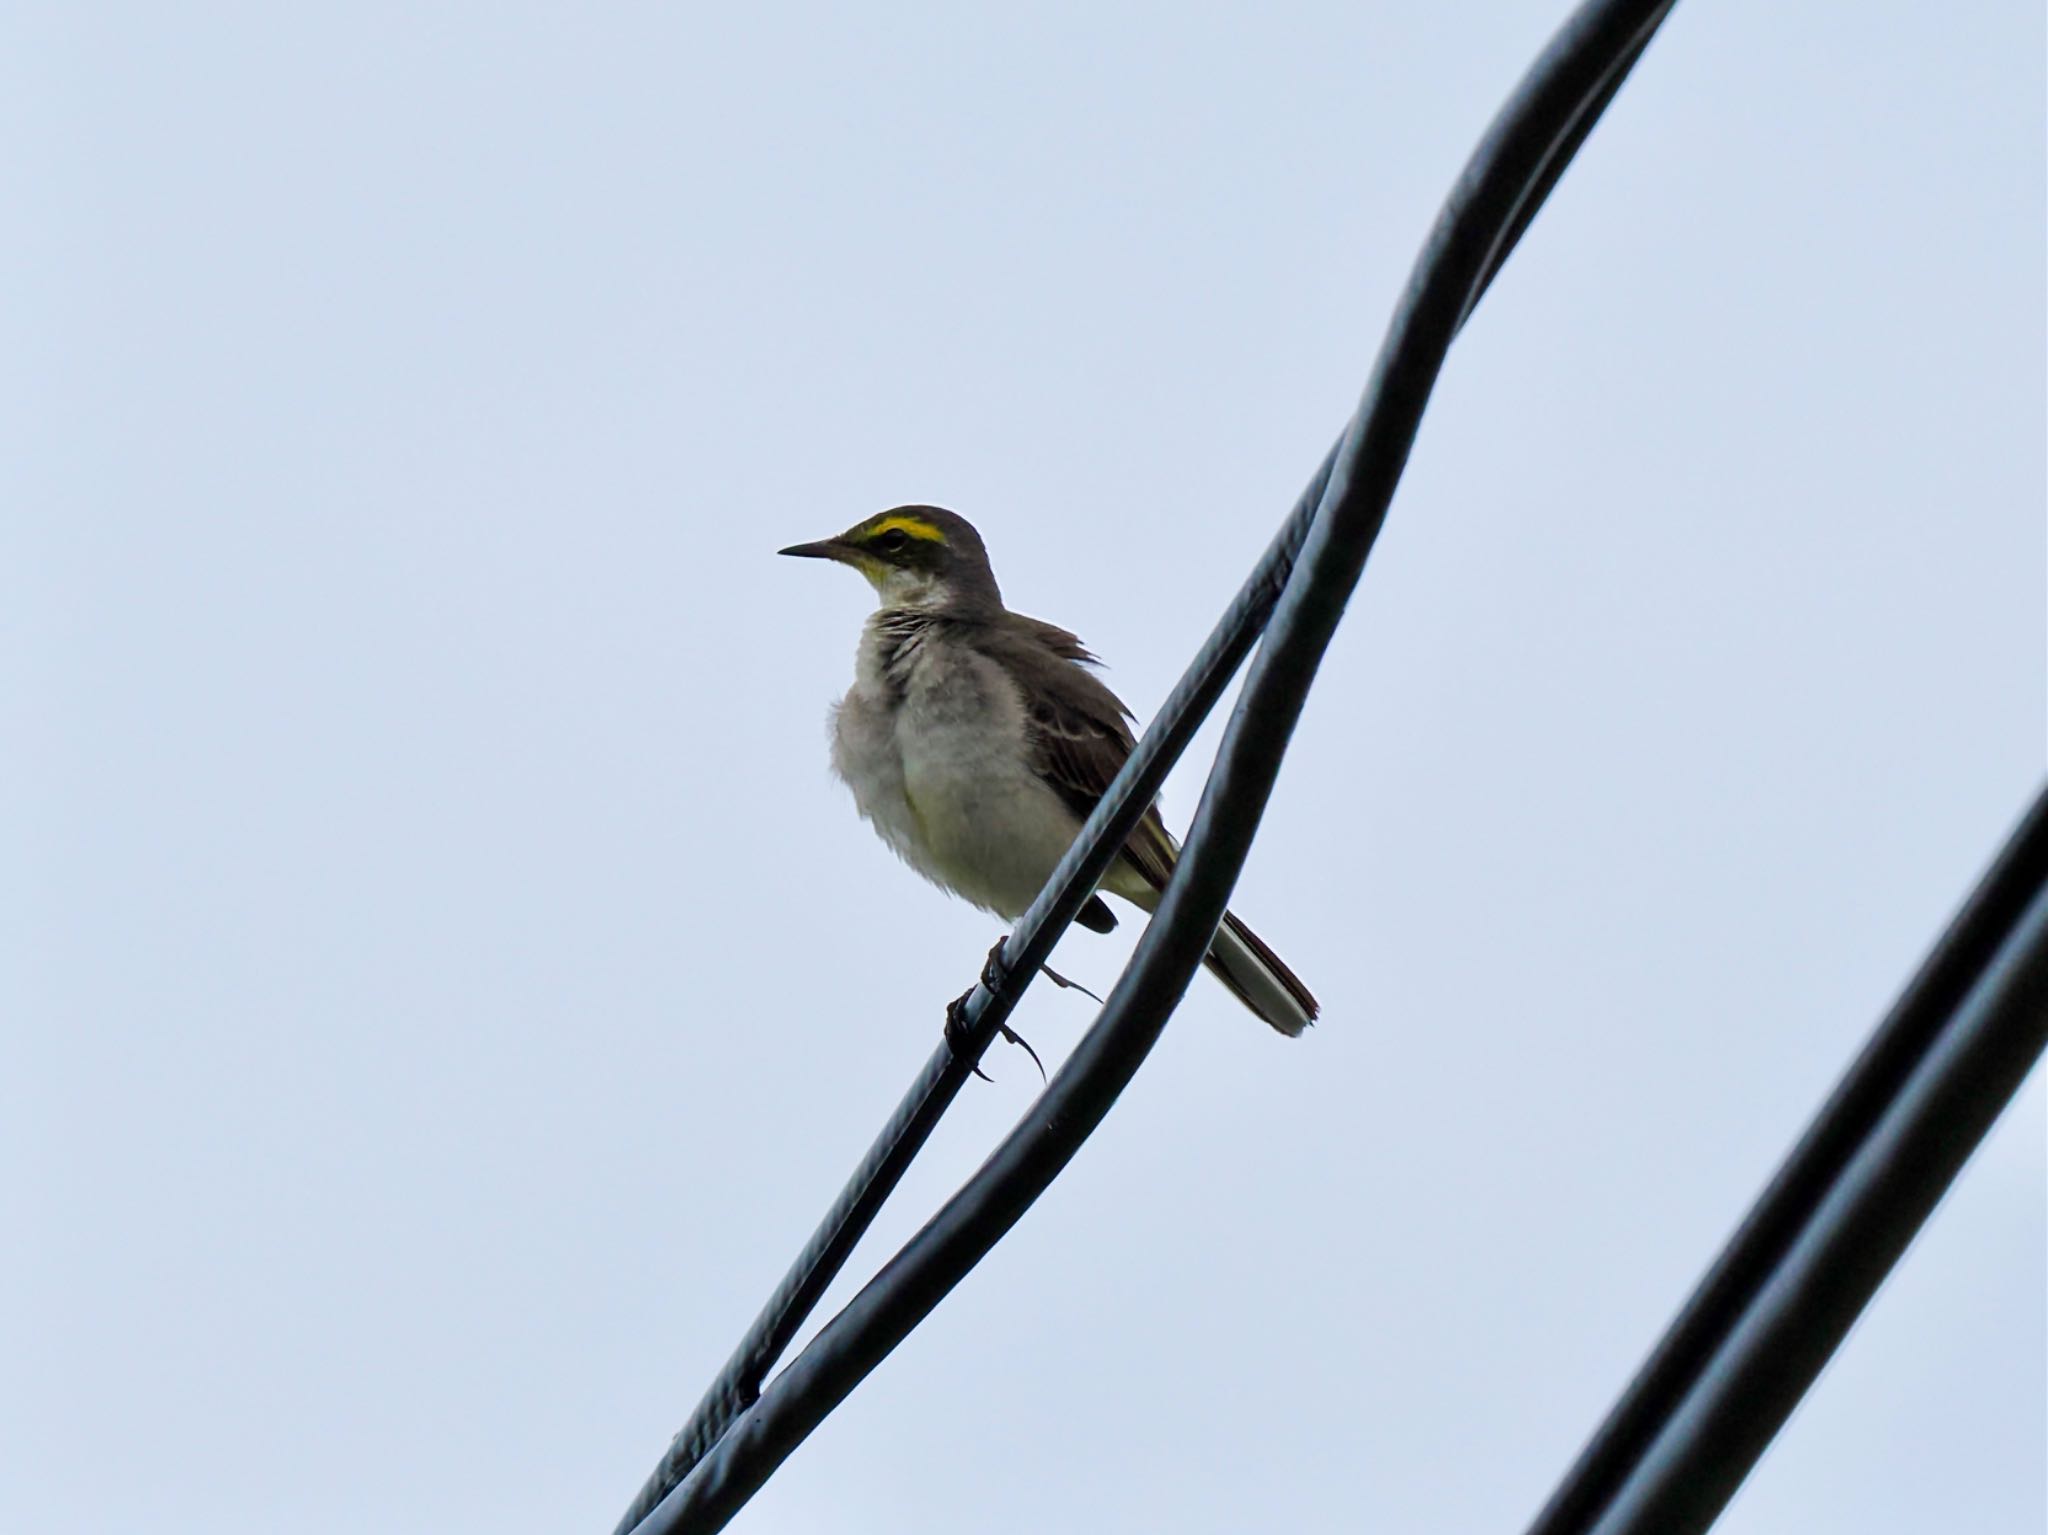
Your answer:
<point x="1259" y="979"/>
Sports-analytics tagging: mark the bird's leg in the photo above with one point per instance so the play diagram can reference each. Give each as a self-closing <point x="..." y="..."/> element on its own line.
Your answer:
<point x="993" y="974"/>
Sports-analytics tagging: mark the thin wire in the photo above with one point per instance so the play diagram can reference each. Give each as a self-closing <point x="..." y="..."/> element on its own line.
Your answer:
<point x="1332" y="528"/>
<point x="1030" y="944"/>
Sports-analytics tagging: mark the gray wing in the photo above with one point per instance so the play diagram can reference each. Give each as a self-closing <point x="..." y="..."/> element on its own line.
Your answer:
<point x="1080" y="733"/>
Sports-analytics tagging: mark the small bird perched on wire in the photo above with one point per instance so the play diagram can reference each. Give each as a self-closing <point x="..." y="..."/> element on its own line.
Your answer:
<point x="976" y="741"/>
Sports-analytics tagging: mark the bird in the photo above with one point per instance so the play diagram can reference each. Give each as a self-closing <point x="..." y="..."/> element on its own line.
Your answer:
<point x="976" y="740"/>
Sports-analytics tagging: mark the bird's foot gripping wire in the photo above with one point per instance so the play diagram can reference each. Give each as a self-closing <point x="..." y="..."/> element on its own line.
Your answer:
<point x="993" y="974"/>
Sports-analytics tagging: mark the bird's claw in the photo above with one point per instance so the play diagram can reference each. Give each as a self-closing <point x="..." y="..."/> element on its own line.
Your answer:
<point x="993" y="971"/>
<point x="1025" y="1045"/>
<point x="1066" y="985"/>
<point x="956" y="1032"/>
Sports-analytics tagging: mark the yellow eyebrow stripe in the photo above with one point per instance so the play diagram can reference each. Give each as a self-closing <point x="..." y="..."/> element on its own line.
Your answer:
<point x="916" y="527"/>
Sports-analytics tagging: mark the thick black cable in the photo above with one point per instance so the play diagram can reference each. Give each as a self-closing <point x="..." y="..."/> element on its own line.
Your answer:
<point x="738" y="1384"/>
<point x="1516" y="163"/>
<point x="1777" y="1349"/>
<point x="1689" y="1378"/>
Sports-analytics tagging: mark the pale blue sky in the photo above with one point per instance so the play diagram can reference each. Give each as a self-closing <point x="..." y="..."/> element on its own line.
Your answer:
<point x="442" y="984"/>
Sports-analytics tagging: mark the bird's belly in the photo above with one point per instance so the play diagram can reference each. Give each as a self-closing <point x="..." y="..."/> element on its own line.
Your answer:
<point x="957" y="801"/>
<point x="990" y="833"/>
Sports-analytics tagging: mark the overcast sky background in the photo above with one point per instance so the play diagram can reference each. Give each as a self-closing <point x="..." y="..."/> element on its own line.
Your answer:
<point x="443" y="984"/>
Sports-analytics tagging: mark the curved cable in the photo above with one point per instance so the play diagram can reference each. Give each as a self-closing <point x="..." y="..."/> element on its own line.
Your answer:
<point x="1311" y="568"/>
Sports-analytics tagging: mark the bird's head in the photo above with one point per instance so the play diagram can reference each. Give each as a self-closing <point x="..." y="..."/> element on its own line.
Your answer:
<point x="916" y="557"/>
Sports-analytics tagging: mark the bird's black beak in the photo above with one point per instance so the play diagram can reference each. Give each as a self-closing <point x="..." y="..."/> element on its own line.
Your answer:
<point x="823" y="549"/>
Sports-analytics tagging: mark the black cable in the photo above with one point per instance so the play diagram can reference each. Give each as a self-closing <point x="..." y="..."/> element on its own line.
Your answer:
<point x="1853" y="1177"/>
<point x="1796" y="1322"/>
<point x="1333" y="528"/>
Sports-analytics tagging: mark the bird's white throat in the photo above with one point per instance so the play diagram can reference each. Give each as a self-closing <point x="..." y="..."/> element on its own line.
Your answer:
<point x="900" y="588"/>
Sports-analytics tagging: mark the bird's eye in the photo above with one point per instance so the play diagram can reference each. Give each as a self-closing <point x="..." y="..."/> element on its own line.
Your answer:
<point x="895" y="541"/>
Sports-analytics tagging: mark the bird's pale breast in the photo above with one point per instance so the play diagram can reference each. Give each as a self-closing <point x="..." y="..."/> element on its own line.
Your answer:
<point x="934" y="748"/>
